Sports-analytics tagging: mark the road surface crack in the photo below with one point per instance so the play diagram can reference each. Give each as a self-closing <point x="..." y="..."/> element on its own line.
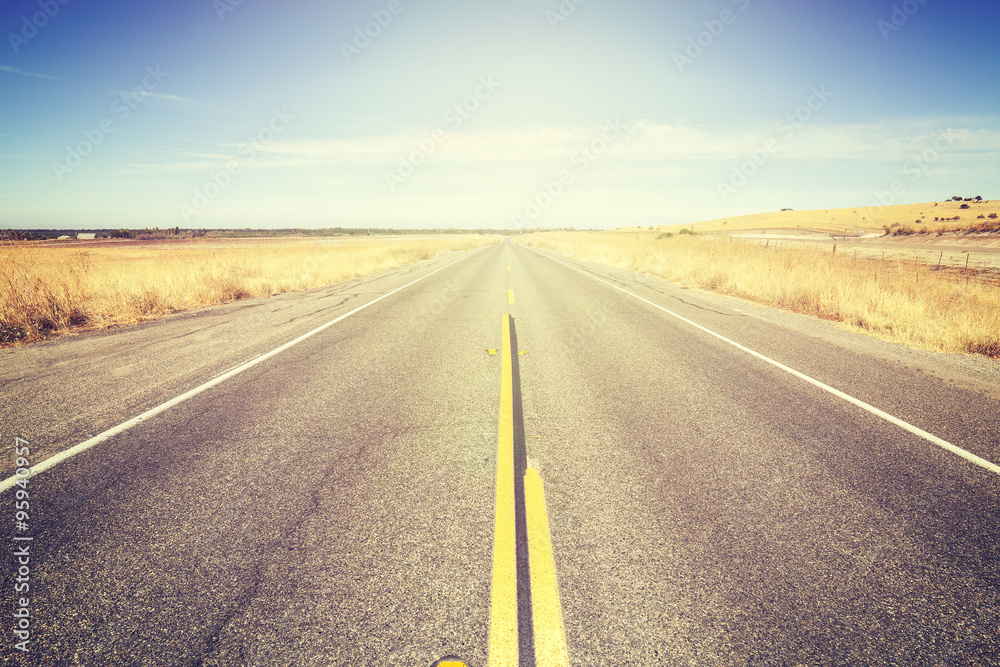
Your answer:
<point x="237" y="609"/>
<point x="709" y="310"/>
<point x="343" y="466"/>
<point x="316" y="312"/>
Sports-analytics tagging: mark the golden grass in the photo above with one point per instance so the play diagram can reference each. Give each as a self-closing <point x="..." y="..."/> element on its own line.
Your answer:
<point x="47" y="290"/>
<point x="850" y="221"/>
<point x="899" y="302"/>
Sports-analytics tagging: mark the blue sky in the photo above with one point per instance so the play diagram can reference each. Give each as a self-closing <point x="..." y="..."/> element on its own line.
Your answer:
<point x="592" y="113"/>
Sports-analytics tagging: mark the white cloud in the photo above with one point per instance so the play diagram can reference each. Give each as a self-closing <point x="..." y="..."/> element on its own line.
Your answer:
<point x="644" y="148"/>
<point x="644" y="141"/>
<point x="14" y="70"/>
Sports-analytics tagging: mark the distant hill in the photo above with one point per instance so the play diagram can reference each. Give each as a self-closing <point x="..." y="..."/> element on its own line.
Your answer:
<point x="849" y="220"/>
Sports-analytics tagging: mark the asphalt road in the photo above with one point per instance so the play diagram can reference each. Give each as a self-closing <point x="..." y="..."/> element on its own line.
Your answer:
<point x="333" y="504"/>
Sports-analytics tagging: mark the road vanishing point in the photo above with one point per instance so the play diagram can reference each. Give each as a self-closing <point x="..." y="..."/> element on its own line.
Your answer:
<point x="507" y="456"/>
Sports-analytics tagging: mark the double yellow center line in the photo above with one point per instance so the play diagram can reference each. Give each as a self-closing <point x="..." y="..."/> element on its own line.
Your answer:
<point x="548" y="633"/>
<point x="503" y="612"/>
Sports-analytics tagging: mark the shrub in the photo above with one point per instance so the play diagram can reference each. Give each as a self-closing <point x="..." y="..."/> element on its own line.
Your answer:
<point x="964" y="206"/>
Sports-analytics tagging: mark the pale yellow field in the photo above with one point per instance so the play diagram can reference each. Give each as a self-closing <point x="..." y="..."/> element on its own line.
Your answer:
<point x="906" y="303"/>
<point x="851" y="221"/>
<point x="47" y="290"/>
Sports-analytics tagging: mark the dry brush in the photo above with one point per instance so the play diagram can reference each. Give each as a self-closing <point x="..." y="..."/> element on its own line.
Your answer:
<point x="901" y="302"/>
<point x="45" y="291"/>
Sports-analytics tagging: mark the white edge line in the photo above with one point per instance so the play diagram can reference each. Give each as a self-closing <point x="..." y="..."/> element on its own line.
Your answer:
<point x="55" y="459"/>
<point x="929" y="437"/>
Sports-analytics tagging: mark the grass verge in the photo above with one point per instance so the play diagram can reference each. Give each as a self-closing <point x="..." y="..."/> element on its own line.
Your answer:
<point x="896" y="301"/>
<point x="46" y="291"/>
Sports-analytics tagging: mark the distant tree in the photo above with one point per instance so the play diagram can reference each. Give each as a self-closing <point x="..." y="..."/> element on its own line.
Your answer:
<point x="956" y="198"/>
<point x="979" y="198"/>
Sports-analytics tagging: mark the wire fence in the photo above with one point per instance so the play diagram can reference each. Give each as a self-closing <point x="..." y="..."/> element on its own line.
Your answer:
<point x="972" y="265"/>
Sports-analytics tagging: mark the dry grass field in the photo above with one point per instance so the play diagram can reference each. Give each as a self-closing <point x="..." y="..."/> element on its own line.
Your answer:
<point x="47" y="290"/>
<point x="902" y="302"/>
<point x="899" y="219"/>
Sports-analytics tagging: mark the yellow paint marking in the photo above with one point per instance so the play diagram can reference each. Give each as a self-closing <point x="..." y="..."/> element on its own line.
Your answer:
<point x="510" y="296"/>
<point x="546" y="611"/>
<point x="508" y="268"/>
<point x="503" y="649"/>
<point x="491" y="351"/>
<point x="451" y="663"/>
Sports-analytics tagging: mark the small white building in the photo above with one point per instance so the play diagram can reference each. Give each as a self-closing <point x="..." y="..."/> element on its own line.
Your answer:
<point x="87" y="235"/>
